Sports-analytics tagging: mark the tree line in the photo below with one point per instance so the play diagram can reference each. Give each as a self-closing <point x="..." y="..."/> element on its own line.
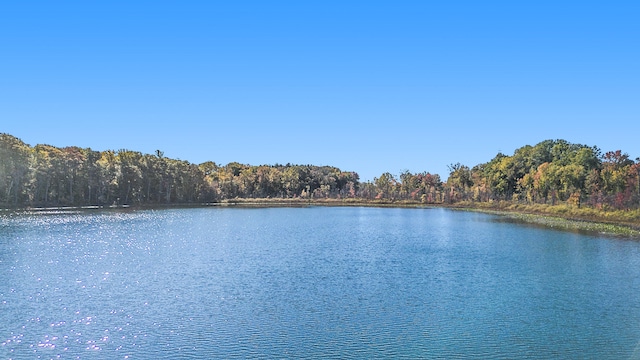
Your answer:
<point x="550" y="172"/>
<point x="45" y="175"/>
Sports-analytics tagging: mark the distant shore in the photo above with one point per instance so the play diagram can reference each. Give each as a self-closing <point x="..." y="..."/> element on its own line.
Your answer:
<point x="559" y="217"/>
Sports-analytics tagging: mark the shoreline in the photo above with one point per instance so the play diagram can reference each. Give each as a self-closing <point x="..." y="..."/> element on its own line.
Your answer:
<point x="583" y="226"/>
<point x="591" y="225"/>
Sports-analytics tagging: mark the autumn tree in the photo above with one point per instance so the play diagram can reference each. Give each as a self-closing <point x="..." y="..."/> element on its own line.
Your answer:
<point x="14" y="167"/>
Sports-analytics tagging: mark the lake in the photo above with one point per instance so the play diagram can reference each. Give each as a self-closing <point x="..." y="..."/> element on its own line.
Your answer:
<point x="316" y="282"/>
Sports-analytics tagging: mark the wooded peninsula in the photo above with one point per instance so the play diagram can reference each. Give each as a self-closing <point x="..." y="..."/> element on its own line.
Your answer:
<point x="553" y="177"/>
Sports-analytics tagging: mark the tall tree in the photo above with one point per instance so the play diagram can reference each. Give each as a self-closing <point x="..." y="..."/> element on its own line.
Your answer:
<point x="14" y="167"/>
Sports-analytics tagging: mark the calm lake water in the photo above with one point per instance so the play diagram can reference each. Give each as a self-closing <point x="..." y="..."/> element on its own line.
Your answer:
<point x="348" y="283"/>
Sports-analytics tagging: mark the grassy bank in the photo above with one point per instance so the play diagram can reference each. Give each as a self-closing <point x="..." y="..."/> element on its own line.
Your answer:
<point x="610" y="222"/>
<point x="319" y="202"/>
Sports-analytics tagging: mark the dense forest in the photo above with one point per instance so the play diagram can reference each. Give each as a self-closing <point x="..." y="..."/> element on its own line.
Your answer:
<point x="551" y="172"/>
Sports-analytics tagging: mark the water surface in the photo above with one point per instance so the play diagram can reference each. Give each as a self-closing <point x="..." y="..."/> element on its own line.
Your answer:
<point x="312" y="282"/>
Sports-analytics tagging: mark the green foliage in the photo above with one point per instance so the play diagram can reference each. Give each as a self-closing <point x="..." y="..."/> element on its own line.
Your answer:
<point x="553" y="171"/>
<point x="14" y="159"/>
<point x="45" y="175"/>
<point x="550" y="173"/>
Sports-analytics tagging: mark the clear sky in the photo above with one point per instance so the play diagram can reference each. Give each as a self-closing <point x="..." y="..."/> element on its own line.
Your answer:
<point x="367" y="86"/>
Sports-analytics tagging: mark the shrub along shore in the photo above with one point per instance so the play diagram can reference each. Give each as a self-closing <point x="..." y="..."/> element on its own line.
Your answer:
<point x="563" y="217"/>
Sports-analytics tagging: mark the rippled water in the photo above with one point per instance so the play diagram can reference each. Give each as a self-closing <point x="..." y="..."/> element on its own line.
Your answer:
<point x="309" y="283"/>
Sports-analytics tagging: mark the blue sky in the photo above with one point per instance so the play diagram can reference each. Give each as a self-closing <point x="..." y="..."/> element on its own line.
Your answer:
<point x="367" y="86"/>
